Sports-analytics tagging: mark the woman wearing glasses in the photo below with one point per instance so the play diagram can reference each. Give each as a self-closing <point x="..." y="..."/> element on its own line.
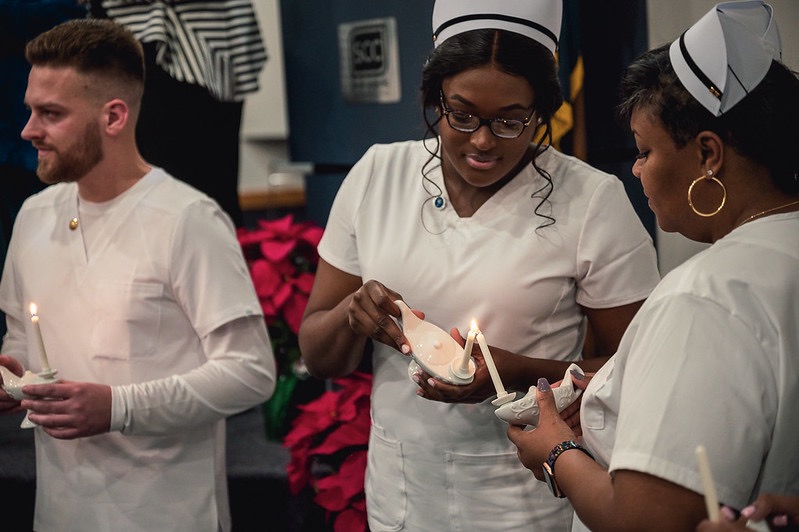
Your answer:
<point x="474" y="222"/>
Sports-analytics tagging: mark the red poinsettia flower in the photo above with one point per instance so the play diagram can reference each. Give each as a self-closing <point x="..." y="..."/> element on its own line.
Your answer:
<point x="351" y="520"/>
<point x="282" y="291"/>
<point x="332" y="430"/>
<point x="294" y="307"/>
<point x="281" y="256"/>
<point x="336" y="422"/>
<point x="334" y="492"/>
<point x="281" y="268"/>
<point x="279" y="237"/>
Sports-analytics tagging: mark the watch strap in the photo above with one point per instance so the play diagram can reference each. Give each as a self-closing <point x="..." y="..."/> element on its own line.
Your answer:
<point x="549" y="465"/>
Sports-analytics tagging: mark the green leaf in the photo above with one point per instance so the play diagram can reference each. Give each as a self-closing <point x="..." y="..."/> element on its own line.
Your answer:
<point x="276" y="408"/>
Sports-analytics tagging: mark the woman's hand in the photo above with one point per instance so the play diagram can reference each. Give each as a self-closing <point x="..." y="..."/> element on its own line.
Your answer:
<point x="571" y="414"/>
<point x="781" y="512"/>
<point x="370" y="313"/>
<point x="533" y="446"/>
<point x="477" y="391"/>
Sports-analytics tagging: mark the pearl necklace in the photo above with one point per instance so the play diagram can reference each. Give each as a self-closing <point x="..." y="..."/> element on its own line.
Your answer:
<point x="761" y="213"/>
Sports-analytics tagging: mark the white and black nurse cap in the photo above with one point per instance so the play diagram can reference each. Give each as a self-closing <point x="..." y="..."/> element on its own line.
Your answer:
<point x="727" y="53"/>
<point x="537" y="19"/>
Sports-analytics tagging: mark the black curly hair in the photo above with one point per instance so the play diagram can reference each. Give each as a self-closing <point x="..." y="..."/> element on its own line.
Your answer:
<point x="512" y="53"/>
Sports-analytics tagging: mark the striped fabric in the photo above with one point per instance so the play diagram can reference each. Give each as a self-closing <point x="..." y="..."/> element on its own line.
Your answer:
<point x="215" y="44"/>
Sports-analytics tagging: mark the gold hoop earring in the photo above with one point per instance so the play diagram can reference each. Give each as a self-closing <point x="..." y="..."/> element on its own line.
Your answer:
<point x="713" y="178"/>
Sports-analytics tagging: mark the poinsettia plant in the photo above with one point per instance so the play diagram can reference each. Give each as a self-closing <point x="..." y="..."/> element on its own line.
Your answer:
<point x="329" y="428"/>
<point x="282" y="258"/>
<point x="328" y="443"/>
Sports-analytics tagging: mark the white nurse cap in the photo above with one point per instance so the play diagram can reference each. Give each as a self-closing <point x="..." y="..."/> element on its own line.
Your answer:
<point x="537" y="19"/>
<point x="727" y="53"/>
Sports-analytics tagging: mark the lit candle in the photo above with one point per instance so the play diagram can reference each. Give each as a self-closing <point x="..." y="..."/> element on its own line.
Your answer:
<point x="711" y="500"/>
<point x="492" y="369"/>
<point x="38" y="331"/>
<point x="467" y="349"/>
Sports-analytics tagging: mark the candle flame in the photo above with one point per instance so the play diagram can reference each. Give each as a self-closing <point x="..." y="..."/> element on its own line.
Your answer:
<point x="474" y="325"/>
<point x="33" y="310"/>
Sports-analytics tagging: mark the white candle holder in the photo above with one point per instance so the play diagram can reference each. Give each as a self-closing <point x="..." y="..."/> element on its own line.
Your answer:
<point x="13" y="386"/>
<point x="433" y="350"/>
<point x="525" y="411"/>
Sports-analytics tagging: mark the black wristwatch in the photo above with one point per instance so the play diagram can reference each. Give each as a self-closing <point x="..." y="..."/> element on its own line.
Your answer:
<point x="549" y="465"/>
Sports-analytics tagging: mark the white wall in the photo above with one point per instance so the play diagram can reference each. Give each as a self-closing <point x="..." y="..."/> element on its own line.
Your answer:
<point x="264" y="125"/>
<point x="667" y="19"/>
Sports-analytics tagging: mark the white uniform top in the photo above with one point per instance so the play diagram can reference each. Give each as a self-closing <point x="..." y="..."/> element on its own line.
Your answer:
<point x="160" y="306"/>
<point x="435" y="466"/>
<point x="711" y="358"/>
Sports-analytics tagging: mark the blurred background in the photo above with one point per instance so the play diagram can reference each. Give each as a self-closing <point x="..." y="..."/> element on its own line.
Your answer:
<point x="300" y="133"/>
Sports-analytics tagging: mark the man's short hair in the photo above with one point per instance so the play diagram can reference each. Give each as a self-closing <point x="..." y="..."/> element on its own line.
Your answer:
<point x="94" y="47"/>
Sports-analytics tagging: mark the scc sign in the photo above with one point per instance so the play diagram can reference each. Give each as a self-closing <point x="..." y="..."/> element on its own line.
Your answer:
<point x="367" y="45"/>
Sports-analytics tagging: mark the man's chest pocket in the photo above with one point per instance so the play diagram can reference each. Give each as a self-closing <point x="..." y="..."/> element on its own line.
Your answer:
<point x="127" y="320"/>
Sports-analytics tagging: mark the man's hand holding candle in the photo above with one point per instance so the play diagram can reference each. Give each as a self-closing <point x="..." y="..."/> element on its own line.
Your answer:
<point x="68" y="410"/>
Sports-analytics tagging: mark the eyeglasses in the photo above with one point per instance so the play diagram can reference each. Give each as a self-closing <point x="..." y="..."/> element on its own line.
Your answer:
<point x="503" y="128"/>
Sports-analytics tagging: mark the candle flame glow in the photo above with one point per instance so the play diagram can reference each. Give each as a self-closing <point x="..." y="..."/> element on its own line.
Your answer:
<point x="38" y="333"/>
<point x="474" y="325"/>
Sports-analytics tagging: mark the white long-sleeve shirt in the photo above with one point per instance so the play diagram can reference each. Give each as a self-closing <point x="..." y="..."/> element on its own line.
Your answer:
<point x="150" y="295"/>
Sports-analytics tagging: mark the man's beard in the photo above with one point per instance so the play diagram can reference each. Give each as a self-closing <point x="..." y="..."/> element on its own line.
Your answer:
<point x="76" y="161"/>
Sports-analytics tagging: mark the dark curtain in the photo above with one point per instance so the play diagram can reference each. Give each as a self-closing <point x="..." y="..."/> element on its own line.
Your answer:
<point x="192" y="135"/>
<point x="612" y="35"/>
<point x="189" y="133"/>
